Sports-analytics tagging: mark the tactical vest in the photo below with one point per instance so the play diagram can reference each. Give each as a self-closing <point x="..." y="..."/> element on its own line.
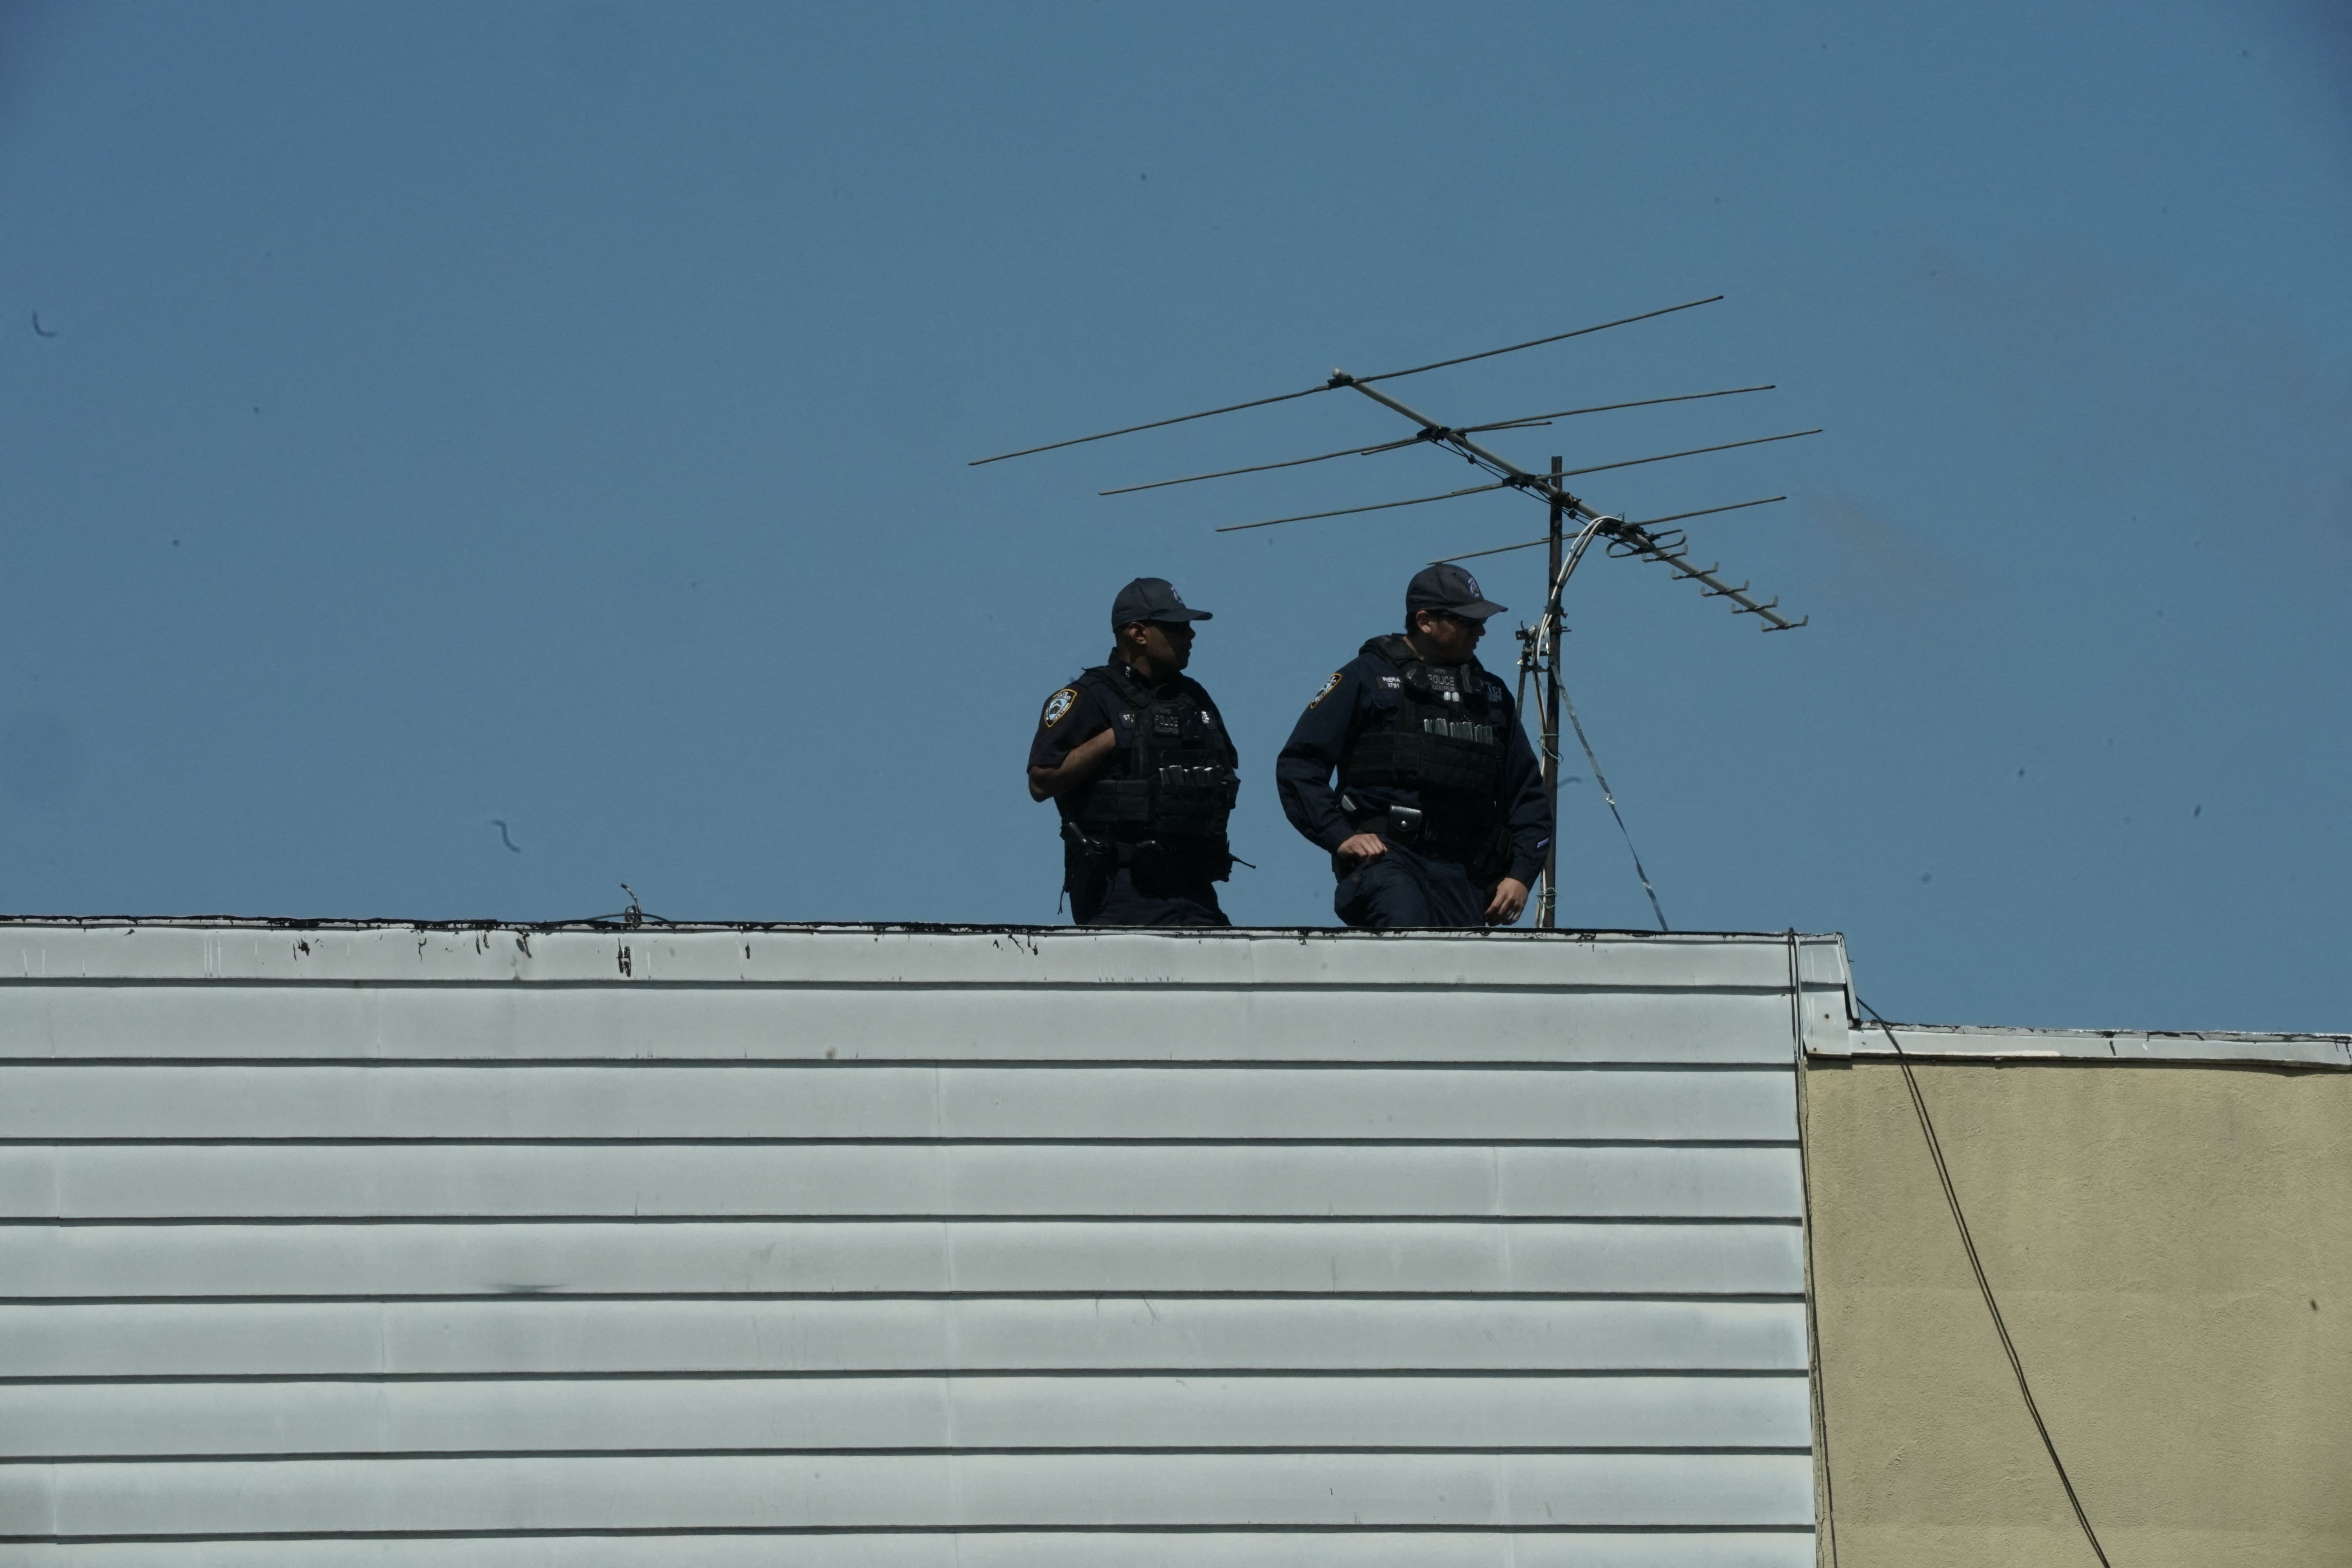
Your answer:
<point x="1447" y="736"/>
<point x="1176" y="784"/>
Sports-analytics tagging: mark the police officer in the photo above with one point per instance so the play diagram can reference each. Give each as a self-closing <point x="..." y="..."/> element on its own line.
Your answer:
<point x="1439" y="818"/>
<point x="1137" y="758"/>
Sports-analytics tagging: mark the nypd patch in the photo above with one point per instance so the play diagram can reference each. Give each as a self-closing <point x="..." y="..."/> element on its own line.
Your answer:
<point x="1328" y="687"/>
<point x="1059" y="705"/>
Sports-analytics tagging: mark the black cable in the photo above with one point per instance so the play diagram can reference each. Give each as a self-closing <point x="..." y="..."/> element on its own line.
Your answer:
<point x="1976" y="1264"/>
<point x="1567" y="703"/>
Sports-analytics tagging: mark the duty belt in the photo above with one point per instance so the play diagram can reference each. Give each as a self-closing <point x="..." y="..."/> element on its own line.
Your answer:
<point x="1414" y="827"/>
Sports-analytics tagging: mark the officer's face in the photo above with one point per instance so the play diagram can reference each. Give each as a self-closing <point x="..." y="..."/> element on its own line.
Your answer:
<point x="1450" y="639"/>
<point x="1166" y="647"/>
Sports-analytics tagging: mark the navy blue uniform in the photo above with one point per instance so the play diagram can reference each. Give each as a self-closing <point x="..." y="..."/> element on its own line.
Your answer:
<point x="1443" y="873"/>
<point x="1124" y="886"/>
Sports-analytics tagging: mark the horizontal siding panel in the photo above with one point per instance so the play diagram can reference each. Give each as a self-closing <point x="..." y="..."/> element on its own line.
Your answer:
<point x="1360" y="1249"/>
<point x="1011" y="1548"/>
<point x="535" y="1334"/>
<point x="689" y="1257"/>
<point x="948" y="1180"/>
<point x="836" y="1491"/>
<point x="829" y="1101"/>
<point x="915" y="1022"/>
<point x="54" y="1420"/>
<point x="226" y="951"/>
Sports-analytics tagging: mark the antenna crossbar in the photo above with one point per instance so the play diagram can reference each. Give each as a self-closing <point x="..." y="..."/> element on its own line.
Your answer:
<point x="1612" y="408"/>
<point x="1691" y="452"/>
<point x="1262" y="468"/>
<point x="1148" y="425"/>
<point x="1539" y="342"/>
<point x="1525" y="422"/>
<point x="1338" y="381"/>
<point x="1377" y="505"/>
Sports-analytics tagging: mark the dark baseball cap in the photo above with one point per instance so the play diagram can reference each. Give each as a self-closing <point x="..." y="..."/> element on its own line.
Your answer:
<point x="1151" y="599"/>
<point x="1449" y="588"/>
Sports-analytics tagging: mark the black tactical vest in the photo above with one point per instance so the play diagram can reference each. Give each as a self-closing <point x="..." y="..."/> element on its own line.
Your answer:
<point x="1447" y="736"/>
<point x="1175" y="783"/>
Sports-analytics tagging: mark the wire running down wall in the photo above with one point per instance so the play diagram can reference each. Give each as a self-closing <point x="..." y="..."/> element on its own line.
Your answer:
<point x="394" y="1245"/>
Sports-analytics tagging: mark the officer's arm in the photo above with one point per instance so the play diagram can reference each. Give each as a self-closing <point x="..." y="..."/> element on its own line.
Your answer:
<point x="1074" y="739"/>
<point x="1302" y="774"/>
<point x="1081" y="764"/>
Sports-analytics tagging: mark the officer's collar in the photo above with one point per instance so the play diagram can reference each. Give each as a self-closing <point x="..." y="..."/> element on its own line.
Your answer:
<point x="1398" y="650"/>
<point x="1127" y="675"/>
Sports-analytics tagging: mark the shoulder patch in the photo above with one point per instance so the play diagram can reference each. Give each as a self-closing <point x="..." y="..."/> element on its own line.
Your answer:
<point x="1328" y="687"/>
<point x="1058" y="706"/>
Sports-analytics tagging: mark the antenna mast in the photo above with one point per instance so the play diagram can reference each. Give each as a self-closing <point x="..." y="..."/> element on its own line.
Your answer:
<point x="1547" y="900"/>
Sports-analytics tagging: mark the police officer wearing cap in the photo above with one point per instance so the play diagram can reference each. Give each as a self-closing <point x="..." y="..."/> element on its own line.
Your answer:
<point x="1439" y="817"/>
<point x="1137" y="758"/>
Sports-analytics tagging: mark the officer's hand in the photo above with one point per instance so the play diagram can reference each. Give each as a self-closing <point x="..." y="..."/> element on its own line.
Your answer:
<point x="1371" y="847"/>
<point x="1510" y="898"/>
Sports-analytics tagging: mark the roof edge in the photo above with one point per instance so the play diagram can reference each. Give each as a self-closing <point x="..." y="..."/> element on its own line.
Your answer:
<point x="652" y="924"/>
<point x="1948" y="1042"/>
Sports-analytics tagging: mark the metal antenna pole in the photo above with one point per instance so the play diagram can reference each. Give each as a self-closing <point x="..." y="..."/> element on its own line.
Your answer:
<point x="1548" y="907"/>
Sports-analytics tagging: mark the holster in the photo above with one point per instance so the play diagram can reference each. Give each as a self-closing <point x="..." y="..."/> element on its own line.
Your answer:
<point x="1153" y="860"/>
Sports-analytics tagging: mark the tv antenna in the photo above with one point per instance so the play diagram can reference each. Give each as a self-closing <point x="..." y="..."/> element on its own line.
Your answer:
<point x="1575" y="526"/>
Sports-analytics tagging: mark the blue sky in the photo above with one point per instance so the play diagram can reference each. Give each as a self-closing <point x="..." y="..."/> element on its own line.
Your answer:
<point x="558" y="414"/>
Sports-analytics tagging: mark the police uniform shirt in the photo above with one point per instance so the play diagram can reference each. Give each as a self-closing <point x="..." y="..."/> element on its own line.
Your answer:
<point x="1076" y="714"/>
<point x="1363" y="694"/>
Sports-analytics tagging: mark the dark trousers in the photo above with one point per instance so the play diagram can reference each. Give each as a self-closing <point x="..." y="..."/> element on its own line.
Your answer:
<point x="1402" y="889"/>
<point x="1123" y="898"/>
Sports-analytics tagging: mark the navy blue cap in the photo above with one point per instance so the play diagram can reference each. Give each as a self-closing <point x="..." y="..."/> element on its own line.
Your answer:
<point x="1448" y="588"/>
<point x="1151" y="599"/>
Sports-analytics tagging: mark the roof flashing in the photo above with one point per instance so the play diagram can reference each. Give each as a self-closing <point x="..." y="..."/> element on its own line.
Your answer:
<point x="1946" y="1042"/>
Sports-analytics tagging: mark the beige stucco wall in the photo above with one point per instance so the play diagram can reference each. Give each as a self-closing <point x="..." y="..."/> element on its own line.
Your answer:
<point x="2172" y="1249"/>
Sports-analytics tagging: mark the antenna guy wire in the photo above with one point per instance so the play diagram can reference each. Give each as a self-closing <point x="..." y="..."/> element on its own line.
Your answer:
<point x="1570" y="703"/>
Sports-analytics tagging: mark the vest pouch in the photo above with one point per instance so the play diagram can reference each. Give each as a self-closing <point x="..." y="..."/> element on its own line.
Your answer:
<point x="1111" y="804"/>
<point x="1459" y="756"/>
<point x="1196" y="794"/>
<point x="1468" y="762"/>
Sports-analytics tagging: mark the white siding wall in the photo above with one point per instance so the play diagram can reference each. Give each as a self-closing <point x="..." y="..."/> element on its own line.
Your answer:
<point x="901" y="1250"/>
